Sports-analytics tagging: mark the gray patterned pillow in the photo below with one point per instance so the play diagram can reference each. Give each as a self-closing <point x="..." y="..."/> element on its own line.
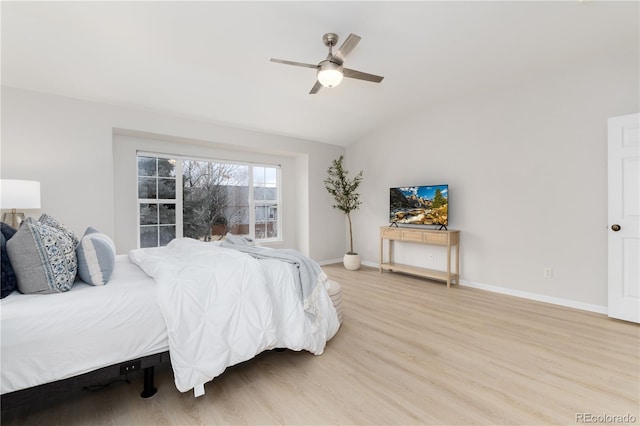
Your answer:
<point x="43" y="258"/>
<point x="53" y="222"/>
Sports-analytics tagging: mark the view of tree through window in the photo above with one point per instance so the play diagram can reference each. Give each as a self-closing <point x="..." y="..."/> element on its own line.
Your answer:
<point x="216" y="199"/>
<point x="204" y="200"/>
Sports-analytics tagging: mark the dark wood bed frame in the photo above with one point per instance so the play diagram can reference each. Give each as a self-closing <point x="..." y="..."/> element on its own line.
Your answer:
<point x="21" y="397"/>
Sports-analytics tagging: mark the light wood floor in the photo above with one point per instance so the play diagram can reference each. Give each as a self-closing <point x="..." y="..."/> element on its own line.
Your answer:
<point x="410" y="351"/>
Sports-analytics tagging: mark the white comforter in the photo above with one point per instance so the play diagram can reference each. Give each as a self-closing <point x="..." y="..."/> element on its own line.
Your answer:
<point x="223" y="307"/>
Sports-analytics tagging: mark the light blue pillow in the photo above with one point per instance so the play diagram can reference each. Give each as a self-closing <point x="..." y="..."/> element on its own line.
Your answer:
<point x="96" y="257"/>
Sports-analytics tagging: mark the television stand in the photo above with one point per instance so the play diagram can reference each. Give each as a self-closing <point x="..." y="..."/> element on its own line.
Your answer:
<point x="442" y="227"/>
<point x="447" y="238"/>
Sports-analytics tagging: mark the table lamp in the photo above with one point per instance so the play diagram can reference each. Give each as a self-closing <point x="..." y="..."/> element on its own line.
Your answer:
<point x="18" y="194"/>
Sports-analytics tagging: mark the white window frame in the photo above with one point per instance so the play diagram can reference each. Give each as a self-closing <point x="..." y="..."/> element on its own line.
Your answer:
<point x="254" y="203"/>
<point x="177" y="201"/>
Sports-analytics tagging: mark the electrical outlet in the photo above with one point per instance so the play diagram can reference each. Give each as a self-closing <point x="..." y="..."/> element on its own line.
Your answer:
<point x="547" y="272"/>
<point x="130" y="367"/>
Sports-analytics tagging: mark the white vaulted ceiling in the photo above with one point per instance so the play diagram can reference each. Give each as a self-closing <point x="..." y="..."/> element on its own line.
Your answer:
<point x="210" y="60"/>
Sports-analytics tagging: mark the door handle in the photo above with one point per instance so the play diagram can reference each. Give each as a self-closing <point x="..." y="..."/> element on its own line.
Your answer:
<point x="615" y="227"/>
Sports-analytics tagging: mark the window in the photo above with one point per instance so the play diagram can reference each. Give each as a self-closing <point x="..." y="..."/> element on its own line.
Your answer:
<point x="157" y="201"/>
<point x="205" y="199"/>
<point x="265" y="198"/>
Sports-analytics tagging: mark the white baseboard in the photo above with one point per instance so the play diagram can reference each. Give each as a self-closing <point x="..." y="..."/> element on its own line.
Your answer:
<point x="329" y="262"/>
<point x="516" y="293"/>
<point x="537" y="297"/>
<point x="510" y="292"/>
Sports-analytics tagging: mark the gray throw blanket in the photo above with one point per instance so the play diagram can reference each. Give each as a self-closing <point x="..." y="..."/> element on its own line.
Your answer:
<point x="308" y="270"/>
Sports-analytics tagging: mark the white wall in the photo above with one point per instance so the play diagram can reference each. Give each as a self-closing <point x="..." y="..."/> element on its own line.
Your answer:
<point x="527" y="171"/>
<point x="68" y="145"/>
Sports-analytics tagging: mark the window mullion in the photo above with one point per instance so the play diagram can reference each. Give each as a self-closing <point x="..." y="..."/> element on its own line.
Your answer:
<point x="252" y="206"/>
<point x="157" y="202"/>
<point x="179" y="200"/>
<point x="279" y="201"/>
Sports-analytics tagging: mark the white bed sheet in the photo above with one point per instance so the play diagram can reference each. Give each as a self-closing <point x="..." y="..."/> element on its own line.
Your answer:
<point x="50" y="337"/>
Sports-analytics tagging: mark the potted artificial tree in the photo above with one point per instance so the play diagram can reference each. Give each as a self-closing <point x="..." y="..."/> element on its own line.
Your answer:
<point x="344" y="191"/>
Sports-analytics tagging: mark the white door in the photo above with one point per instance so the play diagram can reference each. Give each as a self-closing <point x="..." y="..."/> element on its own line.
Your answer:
<point x="624" y="217"/>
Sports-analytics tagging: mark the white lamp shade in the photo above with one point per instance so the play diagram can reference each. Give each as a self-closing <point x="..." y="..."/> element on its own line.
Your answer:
<point x="19" y="194"/>
<point x="330" y="74"/>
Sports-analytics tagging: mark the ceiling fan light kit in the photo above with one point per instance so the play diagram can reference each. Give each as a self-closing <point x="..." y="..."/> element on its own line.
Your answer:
<point x="330" y="74"/>
<point x="330" y="71"/>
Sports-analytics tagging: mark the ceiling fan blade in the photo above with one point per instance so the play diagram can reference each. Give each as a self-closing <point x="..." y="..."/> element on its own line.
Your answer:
<point x="298" y="64"/>
<point x="362" y="75"/>
<point x="316" y="88"/>
<point x="346" y="48"/>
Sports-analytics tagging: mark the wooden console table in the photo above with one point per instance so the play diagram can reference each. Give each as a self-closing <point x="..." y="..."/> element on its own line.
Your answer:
<point x="421" y="236"/>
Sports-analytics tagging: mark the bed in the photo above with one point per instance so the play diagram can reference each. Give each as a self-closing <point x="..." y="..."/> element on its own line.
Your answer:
<point x="46" y="338"/>
<point x="208" y="306"/>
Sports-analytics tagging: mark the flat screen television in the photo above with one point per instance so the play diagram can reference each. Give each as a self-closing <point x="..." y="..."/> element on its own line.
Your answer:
<point x="419" y="205"/>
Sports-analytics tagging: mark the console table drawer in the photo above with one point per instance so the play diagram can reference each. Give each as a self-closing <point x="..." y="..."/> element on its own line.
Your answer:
<point x="435" y="238"/>
<point x="392" y="234"/>
<point x="412" y="236"/>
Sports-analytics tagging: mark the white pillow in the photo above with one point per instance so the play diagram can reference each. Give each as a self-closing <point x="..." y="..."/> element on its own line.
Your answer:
<point x="239" y="240"/>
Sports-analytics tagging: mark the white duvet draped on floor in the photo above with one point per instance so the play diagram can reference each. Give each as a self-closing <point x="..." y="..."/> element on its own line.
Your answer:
<point x="223" y="307"/>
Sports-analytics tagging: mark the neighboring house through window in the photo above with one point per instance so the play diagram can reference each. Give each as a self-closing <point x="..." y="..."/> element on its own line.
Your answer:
<point x="265" y="197"/>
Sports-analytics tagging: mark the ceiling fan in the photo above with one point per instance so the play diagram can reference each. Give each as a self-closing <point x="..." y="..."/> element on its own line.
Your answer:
<point x="330" y="71"/>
